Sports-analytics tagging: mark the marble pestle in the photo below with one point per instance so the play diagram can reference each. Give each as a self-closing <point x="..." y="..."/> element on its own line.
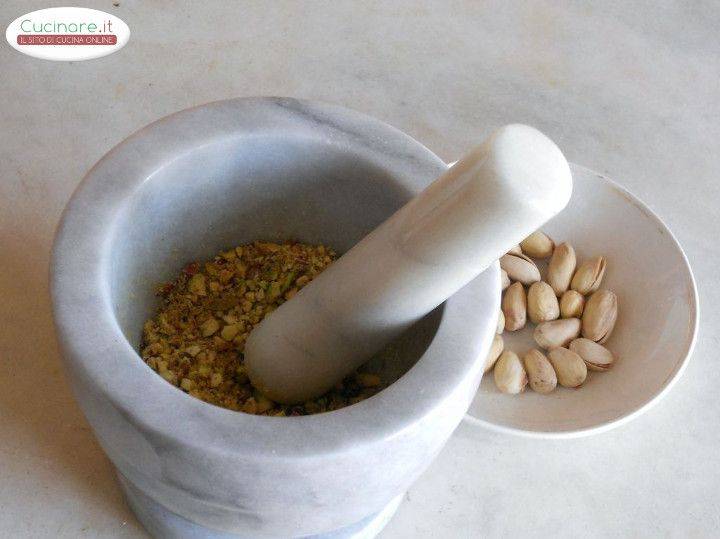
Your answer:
<point x="490" y="200"/>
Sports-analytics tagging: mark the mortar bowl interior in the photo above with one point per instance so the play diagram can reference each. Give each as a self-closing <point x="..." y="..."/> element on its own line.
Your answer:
<point x="233" y="192"/>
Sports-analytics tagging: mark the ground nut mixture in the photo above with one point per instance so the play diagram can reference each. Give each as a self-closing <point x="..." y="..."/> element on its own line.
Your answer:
<point x="197" y="338"/>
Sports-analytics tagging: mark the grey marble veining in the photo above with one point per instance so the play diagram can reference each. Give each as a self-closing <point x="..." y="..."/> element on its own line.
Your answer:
<point x="216" y="176"/>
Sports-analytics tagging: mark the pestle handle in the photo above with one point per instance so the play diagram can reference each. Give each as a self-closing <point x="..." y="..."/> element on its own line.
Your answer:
<point x="490" y="200"/>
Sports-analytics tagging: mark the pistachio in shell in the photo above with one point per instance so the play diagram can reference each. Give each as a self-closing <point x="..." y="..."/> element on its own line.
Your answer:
<point x="599" y="316"/>
<point x="496" y="349"/>
<point x="589" y="275"/>
<point x="556" y="333"/>
<point x="542" y="303"/>
<point x="595" y="356"/>
<point x="572" y="303"/>
<point x="510" y="376"/>
<point x="514" y="307"/>
<point x="570" y="368"/>
<point x="515" y="250"/>
<point x="504" y="279"/>
<point x="520" y="268"/>
<point x="501" y="323"/>
<point x="540" y="372"/>
<point x="538" y="245"/>
<point x="561" y="268"/>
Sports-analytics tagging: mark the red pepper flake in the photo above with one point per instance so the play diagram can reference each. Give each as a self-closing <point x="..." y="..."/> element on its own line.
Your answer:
<point x="191" y="269"/>
<point x="165" y="289"/>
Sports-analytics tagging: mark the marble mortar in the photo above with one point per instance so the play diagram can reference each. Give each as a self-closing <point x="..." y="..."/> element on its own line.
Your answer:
<point x="215" y="176"/>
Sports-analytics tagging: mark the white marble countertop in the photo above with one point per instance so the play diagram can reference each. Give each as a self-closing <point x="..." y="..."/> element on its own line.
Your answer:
<point x="630" y="91"/>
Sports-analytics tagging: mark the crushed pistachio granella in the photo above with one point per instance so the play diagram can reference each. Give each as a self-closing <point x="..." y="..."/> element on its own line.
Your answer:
<point x="197" y="338"/>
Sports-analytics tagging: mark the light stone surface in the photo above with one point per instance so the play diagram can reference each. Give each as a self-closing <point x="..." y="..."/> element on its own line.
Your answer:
<point x="627" y="89"/>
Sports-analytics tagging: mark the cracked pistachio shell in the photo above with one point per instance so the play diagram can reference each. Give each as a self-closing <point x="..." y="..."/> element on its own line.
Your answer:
<point x="520" y="268"/>
<point x="556" y="333"/>
<point x="537" y="245"/>
<point x="542" y="303"/>
<point x="510" y="376"/>
<point x="570" y="368"/>
<point x="504" y="279"/>
<point x="589" y="275"/>
<point x="572" y="303"/>
<point x="595" y="356"/>
<point x="514" y="307"/>
<point x="540" y="372"/>
<point x="599" y="316"/>
<point x="496" y="349"/>
<point x="561" y="268"/>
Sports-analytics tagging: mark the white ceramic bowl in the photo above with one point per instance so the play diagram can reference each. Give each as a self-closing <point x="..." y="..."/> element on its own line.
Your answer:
<point x="655" y="331"/>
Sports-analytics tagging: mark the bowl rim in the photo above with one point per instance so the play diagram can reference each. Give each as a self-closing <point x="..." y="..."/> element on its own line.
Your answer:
<point x="88" y="331"/>
<point x="679" y="368"/>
